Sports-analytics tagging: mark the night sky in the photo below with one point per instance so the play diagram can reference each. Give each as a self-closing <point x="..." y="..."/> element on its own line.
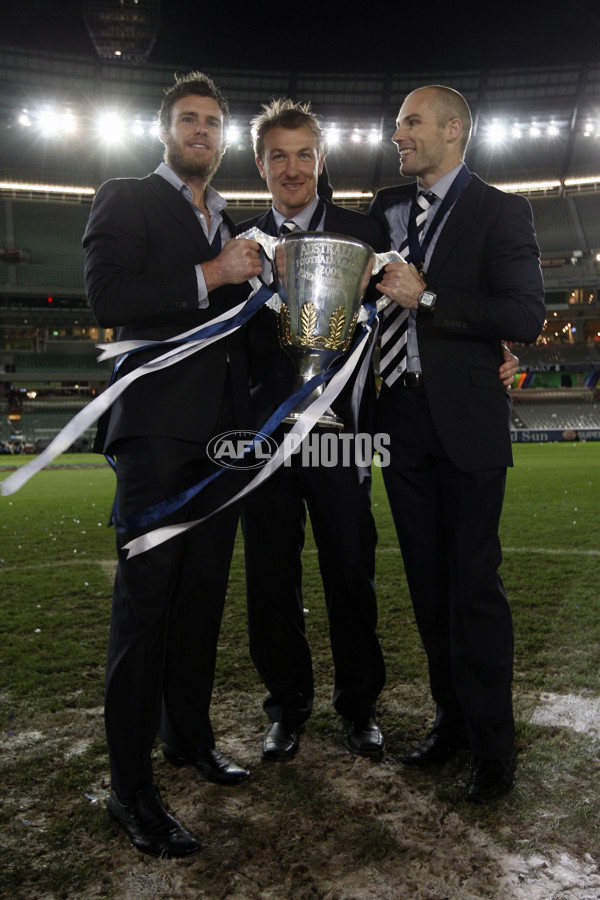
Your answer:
<point x="290" y="35"/>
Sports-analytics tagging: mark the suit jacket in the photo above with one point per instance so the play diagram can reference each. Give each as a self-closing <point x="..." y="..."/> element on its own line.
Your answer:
<point x="272" y="373"/>
<point x="142" y="242"/>
<point x="485" y="270"/>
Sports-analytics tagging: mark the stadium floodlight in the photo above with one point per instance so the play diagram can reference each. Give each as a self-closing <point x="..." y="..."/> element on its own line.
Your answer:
<point x="111" y="127"/>
<point x="233" y="134"/>
<point x="496" y="133"/>
<point x="332" y="135"/>
<point x="48" y="122"/>
<point x="534" y="130"/>
<point x="24" y="119"/>
<point x="356" y="136"/>
<point x="516" y="131"/>
<point x="137" y="129"/>
<point x="552" y="129"/>
<point x="374" y="137"/>
<point x="53" y="123"/>
<point x="68" y="123"/>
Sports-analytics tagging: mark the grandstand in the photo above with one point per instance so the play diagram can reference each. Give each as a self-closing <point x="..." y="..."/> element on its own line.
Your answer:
<point x="536" y="131"/>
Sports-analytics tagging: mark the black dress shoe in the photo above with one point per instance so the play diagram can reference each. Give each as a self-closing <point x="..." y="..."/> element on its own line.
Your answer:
<point x="280" y="742"/>
<point x="150" y="827"/>
<point x="364" y="737"/>
<point x="211" y="764"/>
<point x="438" y="747"/>
<point x="490" y="779"/>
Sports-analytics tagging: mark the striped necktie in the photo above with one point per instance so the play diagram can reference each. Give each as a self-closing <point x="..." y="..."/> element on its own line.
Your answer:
<point x="287" y="227"/>
<point x="394" y="329"/>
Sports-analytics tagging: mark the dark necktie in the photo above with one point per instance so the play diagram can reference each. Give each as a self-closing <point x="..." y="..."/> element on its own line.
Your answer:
<point x="394" y="329"/>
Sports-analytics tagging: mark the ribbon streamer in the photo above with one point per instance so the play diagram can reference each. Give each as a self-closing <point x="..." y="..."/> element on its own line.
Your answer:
<point x="218" y="328"/>
<point x="165" y="507"/>
<point x="300" y="430"/>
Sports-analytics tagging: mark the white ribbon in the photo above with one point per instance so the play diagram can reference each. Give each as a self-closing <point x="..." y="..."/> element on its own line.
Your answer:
<point x="87" y="416"/>
<point x="116" y="348"/>
<point x="294" y="438"/>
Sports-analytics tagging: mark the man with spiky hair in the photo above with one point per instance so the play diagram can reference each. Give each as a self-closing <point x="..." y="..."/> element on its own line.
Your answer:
<point x="474" y="278"/>
<point x="160" y="261"/>
<point x="290" y="152"/>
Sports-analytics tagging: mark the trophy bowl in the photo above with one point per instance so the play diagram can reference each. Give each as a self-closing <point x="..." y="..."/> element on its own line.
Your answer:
<point x="321" y="279"/>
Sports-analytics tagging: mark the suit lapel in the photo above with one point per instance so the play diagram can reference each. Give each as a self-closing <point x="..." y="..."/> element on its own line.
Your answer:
<point x="263" y="221"/>
<point x="331" y="217"/>
<point x="456" y="225"/>
<point x="180" y="209"/>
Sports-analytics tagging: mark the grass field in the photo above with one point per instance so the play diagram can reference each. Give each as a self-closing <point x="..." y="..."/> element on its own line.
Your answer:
<point x="56" y="557"/>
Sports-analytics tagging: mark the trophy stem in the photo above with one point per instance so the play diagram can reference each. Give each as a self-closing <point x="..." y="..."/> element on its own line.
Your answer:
<point x="327" y="419"/>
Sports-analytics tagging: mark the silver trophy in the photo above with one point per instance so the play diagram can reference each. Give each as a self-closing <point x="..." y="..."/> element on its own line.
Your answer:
<point x="320" y="279"/>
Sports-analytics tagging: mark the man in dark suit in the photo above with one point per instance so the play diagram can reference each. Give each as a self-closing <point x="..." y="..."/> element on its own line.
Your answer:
<point x="159" y="262"/>
<point x="475" y="278"/>
<point x="289" y="150"/>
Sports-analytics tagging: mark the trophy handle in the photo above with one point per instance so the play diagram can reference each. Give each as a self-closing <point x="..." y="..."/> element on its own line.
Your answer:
<point x="381" y="261"/>
<point x="266" y="241"/>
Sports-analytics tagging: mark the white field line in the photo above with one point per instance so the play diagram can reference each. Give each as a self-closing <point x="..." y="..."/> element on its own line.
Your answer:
<point x="108" y="563"/>
<point x="541" y="550"/>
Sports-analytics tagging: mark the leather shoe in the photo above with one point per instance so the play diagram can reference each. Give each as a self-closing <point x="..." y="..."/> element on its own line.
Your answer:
<point x="150" y="827"/>
<point x="210" y="764"/>
<point x="490" y="779"/>
<point x="364" y="737"/>
<point x="437" y="747"/>
<point x="281" y="741"/>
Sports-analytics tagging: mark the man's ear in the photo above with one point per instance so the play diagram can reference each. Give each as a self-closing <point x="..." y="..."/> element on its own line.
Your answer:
<point x="453" y="130"/>
<point x="261" y="168"/>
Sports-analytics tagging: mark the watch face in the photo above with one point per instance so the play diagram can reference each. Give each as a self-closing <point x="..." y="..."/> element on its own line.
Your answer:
<point x="427" y="299"/>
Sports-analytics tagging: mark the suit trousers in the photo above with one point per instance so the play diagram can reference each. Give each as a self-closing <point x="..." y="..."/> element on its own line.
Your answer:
<point x="166" y="614"/>
<point x="273" y="520"/>
<point x="447" y="524"/>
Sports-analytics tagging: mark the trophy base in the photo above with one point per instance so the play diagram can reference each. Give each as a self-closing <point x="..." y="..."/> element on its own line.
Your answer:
<point x="327" y="420"/>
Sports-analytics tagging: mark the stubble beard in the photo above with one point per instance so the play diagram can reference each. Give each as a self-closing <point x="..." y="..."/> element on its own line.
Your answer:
<point x="175" y="158"/>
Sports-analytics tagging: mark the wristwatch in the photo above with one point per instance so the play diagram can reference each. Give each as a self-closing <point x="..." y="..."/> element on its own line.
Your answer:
<point x="427" y="300"/>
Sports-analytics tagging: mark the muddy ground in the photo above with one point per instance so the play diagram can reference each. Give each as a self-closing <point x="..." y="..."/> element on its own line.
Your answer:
<point x="325" y="825"/>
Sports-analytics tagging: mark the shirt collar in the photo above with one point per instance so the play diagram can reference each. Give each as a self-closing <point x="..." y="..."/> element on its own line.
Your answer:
<point x="302" y="219"/>
<point x="214" y="201"/>
<point x="441" y="187"/>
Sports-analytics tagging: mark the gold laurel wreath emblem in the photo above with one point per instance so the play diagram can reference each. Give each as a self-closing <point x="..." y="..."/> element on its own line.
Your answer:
<point x="308" y="323"/>
<point x="283" y="322"/>
<point x="336" y="329"/>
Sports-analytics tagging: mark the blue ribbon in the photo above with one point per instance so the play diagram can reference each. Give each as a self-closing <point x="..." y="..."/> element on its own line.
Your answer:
<point x="152" y="514"/>
<point x="259" y="299"/>
<point x="263" y="294"/>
